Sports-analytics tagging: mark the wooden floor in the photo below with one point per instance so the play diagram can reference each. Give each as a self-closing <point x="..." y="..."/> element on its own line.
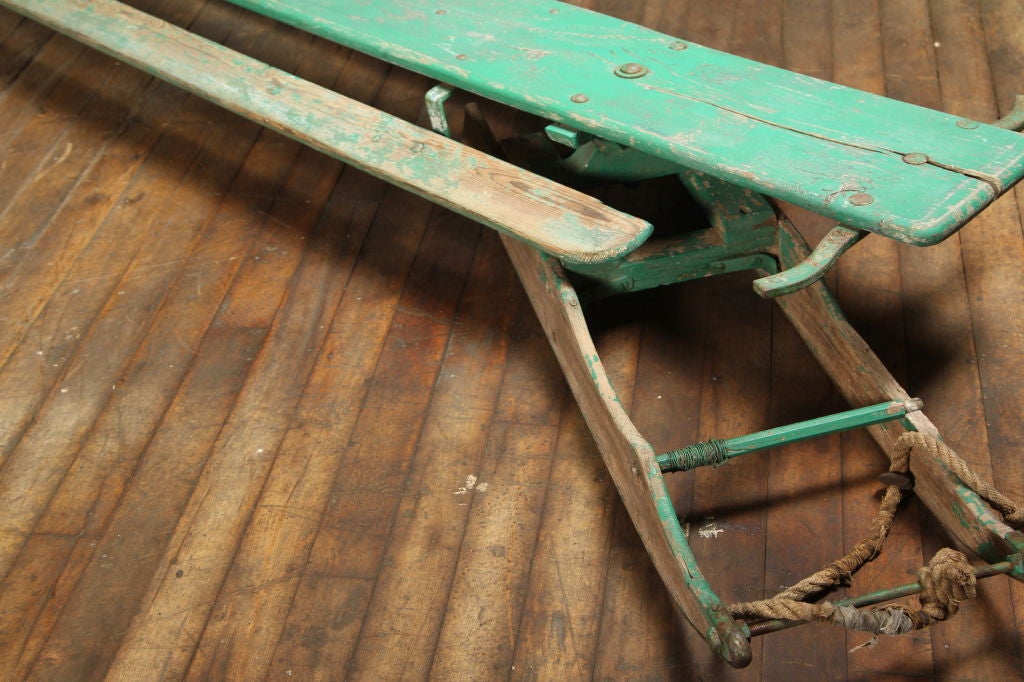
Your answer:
<point x="264" y="416"/>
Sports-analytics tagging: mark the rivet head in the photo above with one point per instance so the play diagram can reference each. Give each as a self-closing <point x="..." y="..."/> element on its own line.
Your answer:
<point x="966" y="125"/>
<point x="579" y="99"/>
<point x="678" y="45"/>
<point x="861" y="199"/>
<point x="631" y="70"/>
<point x="915" y="158"/>
<point x="462" y="57"/>
<point x="441" y="11"/>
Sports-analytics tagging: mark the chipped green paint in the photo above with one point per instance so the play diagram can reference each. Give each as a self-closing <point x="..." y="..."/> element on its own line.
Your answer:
<point x="554" y="218"/>
<point x="717" y="452"/>
<point x="837" y="242"/>
<point x="819" y="145"/>
<point x="741" y="233"/>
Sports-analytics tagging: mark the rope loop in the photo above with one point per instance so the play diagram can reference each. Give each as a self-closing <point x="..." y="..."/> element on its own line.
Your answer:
<point x="1012" y="513"/>
<point x="946" y="582"/>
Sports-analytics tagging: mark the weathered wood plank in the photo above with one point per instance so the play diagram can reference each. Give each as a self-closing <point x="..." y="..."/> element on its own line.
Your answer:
<point x="105" y="153"/>
<point x="408" y="603"/>
<point x="993" y="281"/>
<point x="559" y="220"/>
<point x="868" y="287"/>
<point x="486" y="599"/>
<point x="701" y="108"/>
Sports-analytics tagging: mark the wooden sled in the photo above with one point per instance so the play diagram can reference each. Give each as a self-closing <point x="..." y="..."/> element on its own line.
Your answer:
<point x="626" y="103"/>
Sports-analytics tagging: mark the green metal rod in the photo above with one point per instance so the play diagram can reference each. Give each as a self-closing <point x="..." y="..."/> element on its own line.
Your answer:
<point x="716" y="452"/>
<point x="980" y="572"/>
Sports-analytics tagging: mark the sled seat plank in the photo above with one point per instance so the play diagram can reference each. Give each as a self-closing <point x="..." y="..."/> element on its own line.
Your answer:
<point x="563" y="222"/>
<point x="870" y="162"/>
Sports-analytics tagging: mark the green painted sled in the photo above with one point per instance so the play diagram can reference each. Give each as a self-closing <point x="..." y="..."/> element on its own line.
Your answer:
<point x="625" y="103"/>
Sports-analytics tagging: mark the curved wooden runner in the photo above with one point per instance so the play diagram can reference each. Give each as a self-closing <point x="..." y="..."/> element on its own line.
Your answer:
<point x="855" y="369"/>
<point x="628" y="456"/>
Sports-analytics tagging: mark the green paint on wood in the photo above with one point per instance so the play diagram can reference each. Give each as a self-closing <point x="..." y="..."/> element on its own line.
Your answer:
<point x="568" y="224"/>
<point x="869" y="162"/>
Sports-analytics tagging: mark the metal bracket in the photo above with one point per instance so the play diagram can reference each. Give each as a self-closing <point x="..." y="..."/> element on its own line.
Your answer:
<point x="435" y="99"/>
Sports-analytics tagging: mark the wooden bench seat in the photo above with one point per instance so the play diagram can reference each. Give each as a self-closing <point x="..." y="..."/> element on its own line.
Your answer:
<point x="570" y="225"/>
<point x="869" y="162"/>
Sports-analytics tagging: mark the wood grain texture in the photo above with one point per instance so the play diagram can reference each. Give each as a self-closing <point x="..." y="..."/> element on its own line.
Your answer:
<point x="552" y="217"/>
<point x="814" y="144"/>
<point x="205" y="289"/>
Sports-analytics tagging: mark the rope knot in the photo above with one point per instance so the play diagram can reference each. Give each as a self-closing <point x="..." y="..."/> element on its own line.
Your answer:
<point x="946" y="581"/>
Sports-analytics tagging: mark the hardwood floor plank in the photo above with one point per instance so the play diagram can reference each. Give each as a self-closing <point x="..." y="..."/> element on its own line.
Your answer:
<point x="22" y="42"/>
<point x="420" y="319"/>
<point x="991" y="249"/>
<point x="868" y="287"/>
<point x="407" y="604"/>
<point x="90" y="354"/>
<point x="485" y="605"/>
<point x="132" y="547"/>
<point x="558" y="633"/>
<point x="48" y="247"/>
<point x="360" y="329"/>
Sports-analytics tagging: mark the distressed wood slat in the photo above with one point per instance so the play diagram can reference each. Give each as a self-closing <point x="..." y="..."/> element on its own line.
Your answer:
<point x="561" y="221"/>
<point x="810" y="142"/>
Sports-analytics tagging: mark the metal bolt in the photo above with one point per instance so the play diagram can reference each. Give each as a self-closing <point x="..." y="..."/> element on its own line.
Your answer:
<point x="441" y="11"/>
<point x="861" y="199"/>
<point x="903" y="481"/>
<point x="631" y="70"/>
<point x="678" y="45"/>
<point x="461" y="57"/>
<point x="579" y="99"/>
<point x="915" y="159"/>
<point x="966" y="125"/>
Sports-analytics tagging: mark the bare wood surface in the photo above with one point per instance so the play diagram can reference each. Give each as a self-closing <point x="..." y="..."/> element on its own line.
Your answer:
<point x="264" y="416"/>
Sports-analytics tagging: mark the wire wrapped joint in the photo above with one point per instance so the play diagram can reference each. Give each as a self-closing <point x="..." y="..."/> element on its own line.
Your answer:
<point x="705" y="453"/>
